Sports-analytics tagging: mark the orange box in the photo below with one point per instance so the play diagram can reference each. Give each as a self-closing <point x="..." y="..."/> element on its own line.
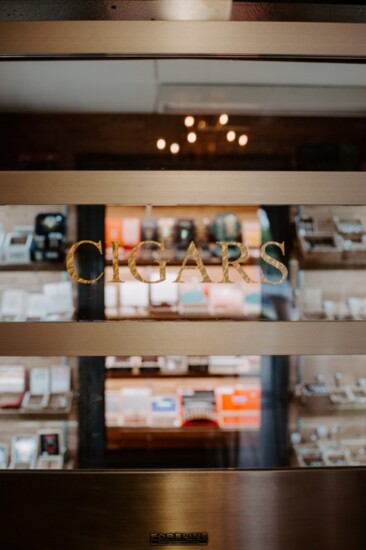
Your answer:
<point x="240" y="399"/>
<point x="239" y="406"/>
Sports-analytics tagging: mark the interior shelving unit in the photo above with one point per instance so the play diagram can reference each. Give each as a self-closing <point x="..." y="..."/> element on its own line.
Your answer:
<point x="30" y="277"/>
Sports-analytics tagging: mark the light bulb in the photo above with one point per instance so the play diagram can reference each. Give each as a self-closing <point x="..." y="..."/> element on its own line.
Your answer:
<point x="243" y="140"/>
<point x="202" y="125"/>
<point x="161" y="144"/>
<point x="231" y="135"/>
<point x="223" y="119"/>
<point x="191" y="137"/>
<point x="189" y="121"/>
<point x="174" y="148"/>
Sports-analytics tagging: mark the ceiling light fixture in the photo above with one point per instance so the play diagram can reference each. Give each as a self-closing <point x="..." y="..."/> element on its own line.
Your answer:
<point x="189" y="121"/>
<point x="161" y="144"/>
<point x="231" y="135"/>
<point x="174" y="148"/>
<point x="243" y="140"/>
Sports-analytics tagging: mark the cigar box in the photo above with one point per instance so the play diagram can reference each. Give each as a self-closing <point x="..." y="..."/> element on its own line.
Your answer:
<point x="12" y="386"/>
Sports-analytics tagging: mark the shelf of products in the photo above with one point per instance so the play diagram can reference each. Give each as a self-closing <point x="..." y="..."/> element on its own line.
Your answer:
<point x="180" y="404"/>
<point x="33" y="282"/>
<point x="328" y="407"/>
<point x="176" y="227"/>
<point x="181" y="366"/>
<point x="328" y="263"/>
<point x="327" y="412"/>
<point x="332" y="236"/>
<point x="38" y="413"/>
<point x="36" y="266"/>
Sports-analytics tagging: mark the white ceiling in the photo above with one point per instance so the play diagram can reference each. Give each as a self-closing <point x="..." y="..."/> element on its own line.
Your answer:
<point x="133" y="85"/>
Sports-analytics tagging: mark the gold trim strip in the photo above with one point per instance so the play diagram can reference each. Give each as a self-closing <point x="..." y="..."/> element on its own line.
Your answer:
<point x="183" y="338"/>
<point x="182" y="188"/>
<point x="182" y="38"/>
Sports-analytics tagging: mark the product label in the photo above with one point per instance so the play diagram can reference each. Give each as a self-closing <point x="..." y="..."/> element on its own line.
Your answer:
<point x="179" y="539"/>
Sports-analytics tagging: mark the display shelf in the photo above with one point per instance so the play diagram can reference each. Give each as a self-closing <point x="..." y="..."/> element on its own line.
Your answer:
<point x="128" y="437"/>
<point x="118" y="373"/>
<point x="317" y="265"/>
<point x="40" y="415"/>
<point x="339" y="410"/>
<point x="34" y="266"/>
<point x="176" y="316"/>
<point x="175" y="262"/>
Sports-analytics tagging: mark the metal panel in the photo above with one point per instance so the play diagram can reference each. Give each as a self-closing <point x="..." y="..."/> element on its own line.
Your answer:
<point x="184" y="338"/>
<point x="251" y="510"/>
<point x="66" y="10"/>
<point x="183" y="187"/>
<point x="169" y="39"/>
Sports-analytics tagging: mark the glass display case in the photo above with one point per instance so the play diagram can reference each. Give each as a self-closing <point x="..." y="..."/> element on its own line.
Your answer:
<point x="182" y="305"/>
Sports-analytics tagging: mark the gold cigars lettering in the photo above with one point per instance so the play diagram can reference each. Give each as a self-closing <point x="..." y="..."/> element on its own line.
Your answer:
<point x="192" y="252"/>
<point x="115" y="264"/>
<point x="275" y="263"/>
<point x="70" y="258"/>
<point x="132" y="263"/>
<point x="225" y="261"/>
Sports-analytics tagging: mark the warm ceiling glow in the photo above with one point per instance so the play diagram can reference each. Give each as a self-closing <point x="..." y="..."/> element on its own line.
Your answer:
<point x="189" y="121"/>
<point x="231" y="135"/>
<point x="224" y="119"/>
<point x="243" y="140"/>
<point x="192" y="136"/>
<point x="174" y="148"/>
<point x="161" y="144"/>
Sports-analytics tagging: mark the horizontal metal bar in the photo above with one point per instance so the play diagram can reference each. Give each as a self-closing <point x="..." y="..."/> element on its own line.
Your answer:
<point x="183" y="338"/>
<point x="183" y="187"/>
<point x="182" y="39"/>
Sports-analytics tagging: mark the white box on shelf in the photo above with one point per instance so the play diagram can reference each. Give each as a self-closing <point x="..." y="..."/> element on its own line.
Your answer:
<point x="17" y="246"/>
<point x="166" y="292"/>
<point x="13" y="304"/>
<point x="134" y="294"/>
<point x="60" y="379"/>
<point x="59" y="300"/>
<point x="50" y="463"/>
<point x="112" y="408"/>
<point x="24" y="450"/>
<point x="2" y="241"/>
<point x="164" y="411"/>
<point x="36" y="306"/>
<point x="39" y="389"/>
<point x="135" y="406"/>
<point x="4" y="452"/>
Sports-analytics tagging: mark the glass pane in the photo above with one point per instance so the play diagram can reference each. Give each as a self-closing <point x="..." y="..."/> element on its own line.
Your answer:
<point x="182" y="412"/>
<point x="182" y="262"/>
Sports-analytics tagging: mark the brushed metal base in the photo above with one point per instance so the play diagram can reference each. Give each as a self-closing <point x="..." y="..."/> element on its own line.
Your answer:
<point x="249" y="510"/>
